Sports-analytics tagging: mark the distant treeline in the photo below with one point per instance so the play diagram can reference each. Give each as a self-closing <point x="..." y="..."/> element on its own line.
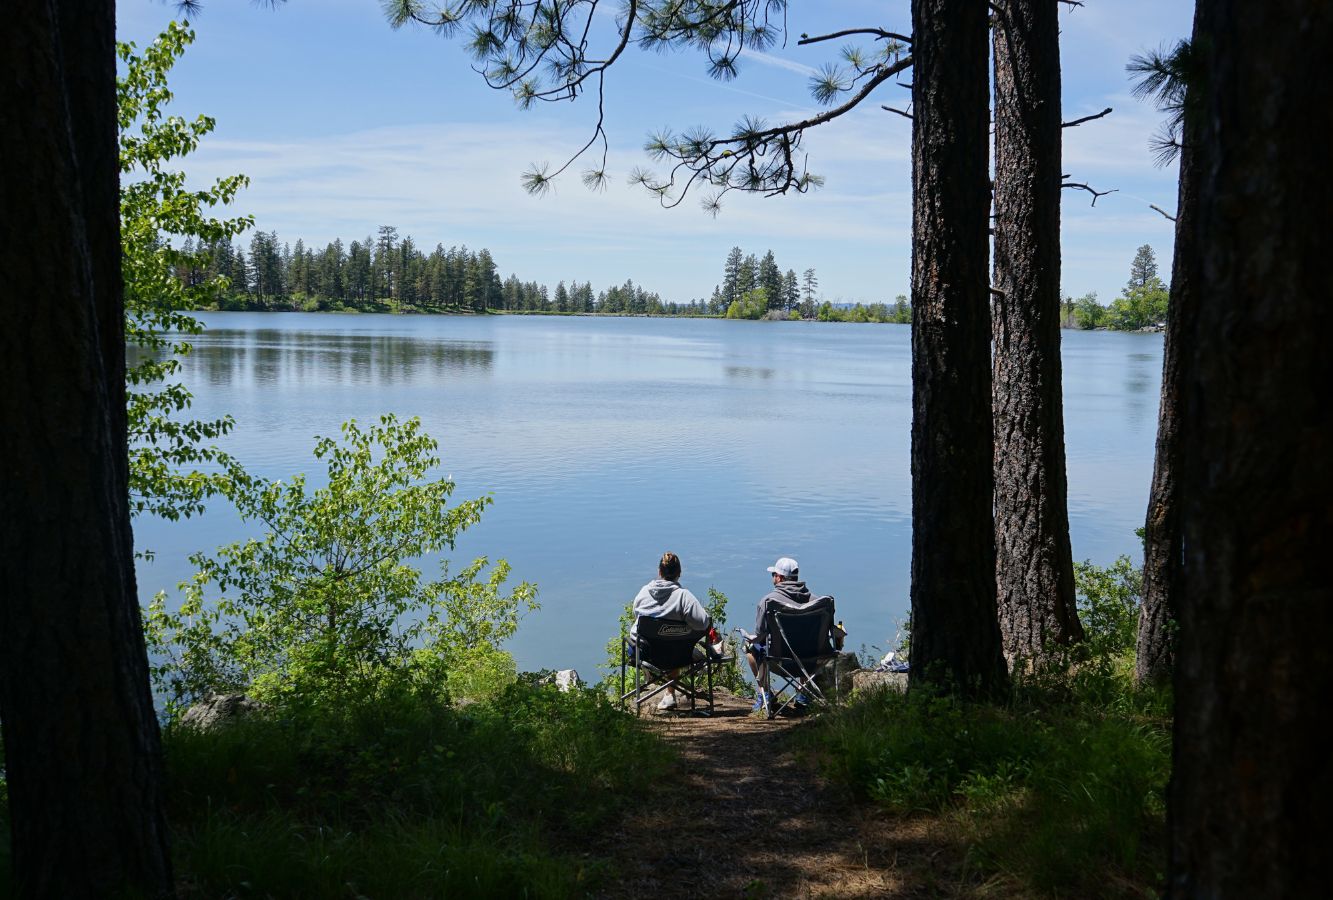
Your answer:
<point x="1140" y="306"/>
<point x="755" y="288"/>
<point x="389" y="273"/>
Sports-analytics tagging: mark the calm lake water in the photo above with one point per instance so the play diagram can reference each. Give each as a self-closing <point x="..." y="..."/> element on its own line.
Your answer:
<point x="606" y="441"/>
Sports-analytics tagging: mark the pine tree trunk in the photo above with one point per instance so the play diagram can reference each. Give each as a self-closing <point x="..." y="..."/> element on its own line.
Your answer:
<point x="1163" y="559"/>
<point x="1163" y="544"/>
<point x="1034" y="564"/>
<point x="1252" y="785"/>
<point x="955" y="635"/>
<point x="82" y="754"/>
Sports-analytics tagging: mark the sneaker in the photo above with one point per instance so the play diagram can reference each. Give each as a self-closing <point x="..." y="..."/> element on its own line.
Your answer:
<point x="763" y="704"/>
<point x="801" y="701"/>
<point x="668" y="702"/>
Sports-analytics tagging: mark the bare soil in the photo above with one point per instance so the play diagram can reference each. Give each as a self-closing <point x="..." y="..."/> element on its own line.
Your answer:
<point x="740" y="815"/>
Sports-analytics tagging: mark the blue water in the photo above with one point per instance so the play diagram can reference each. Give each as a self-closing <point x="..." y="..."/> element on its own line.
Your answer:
<point x="607" y="441"/>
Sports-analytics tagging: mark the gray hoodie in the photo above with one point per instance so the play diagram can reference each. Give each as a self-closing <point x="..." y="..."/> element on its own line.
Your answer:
<point x="662" y="599"/>
<point x="791" y="594"/>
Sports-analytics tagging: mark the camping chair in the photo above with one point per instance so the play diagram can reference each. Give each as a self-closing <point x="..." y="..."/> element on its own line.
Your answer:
<point x="799" y="643"/>
<point x="661" y="646"/>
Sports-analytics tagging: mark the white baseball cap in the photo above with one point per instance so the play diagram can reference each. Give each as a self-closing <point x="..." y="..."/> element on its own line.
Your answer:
<point x="786" y="567"/>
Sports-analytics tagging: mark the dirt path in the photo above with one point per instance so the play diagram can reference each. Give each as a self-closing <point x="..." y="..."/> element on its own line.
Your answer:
<point x="766" y="825"/>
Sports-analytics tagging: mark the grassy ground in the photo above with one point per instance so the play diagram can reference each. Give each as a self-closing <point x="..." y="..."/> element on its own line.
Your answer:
<point x="408" y="799"/>
<point x="1058" y="793"/>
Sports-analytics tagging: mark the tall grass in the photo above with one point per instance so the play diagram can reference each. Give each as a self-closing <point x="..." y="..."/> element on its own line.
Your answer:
<point x="406" y="798"/>
<point x="1059" y="793"/>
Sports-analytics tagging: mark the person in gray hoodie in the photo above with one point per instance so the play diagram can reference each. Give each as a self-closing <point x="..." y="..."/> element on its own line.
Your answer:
<point x="664" y="598"/>
<point x="789" y="591"/>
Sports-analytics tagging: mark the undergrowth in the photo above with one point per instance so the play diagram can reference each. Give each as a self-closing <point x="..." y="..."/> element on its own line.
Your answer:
<point x="1058" y="793"/>
<point x="406" y="798"/>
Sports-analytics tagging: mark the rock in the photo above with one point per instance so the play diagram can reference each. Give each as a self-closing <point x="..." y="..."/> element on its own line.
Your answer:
<point x="216" y="711"/>
<point x="840" y="668"/>
<point x="867" y="680"/>
<point x="566" y="680"/>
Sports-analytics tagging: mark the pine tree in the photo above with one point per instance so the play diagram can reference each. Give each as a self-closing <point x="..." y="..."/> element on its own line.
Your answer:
<point x="1034" y="562"/>
<point x="747" y="279"/>
<point x="82" y="753"/>
<point x="731" y="275"/>
<point x="791" y="291"/>
<point x="809" y="286"/>
<point x="769" y="277"/>
<point x="1143" y="270"/>
<point x="955" y="632"/>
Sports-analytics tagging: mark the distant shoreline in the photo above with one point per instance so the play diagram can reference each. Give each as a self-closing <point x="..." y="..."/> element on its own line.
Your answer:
<point x="467" y="313"/>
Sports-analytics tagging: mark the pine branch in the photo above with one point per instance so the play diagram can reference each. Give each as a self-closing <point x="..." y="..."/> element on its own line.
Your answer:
<point x="1084" y="187"/>
<point x="1105" y="112"/>
<point x="879" y="33"/>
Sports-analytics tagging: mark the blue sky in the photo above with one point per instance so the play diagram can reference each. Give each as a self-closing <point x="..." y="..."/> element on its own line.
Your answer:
<point x="344" y="124"/>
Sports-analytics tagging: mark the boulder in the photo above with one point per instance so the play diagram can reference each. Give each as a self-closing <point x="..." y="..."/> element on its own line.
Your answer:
<point x="839" y="672"/>
<point x="869" y="680"/>
<point x="216" y="711"/>
<point x="565" y="679"/>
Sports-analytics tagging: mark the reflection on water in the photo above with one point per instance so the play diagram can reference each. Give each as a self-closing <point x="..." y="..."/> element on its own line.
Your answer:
<point x="606" y="441"/>
<point x="748" y="372"/>
<point x="1143" y="372"/>
<point x="271" y="356"/>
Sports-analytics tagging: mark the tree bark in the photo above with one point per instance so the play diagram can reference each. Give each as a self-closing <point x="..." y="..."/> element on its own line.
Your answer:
<point x="955" y="635"/>
<point x="1163" y="546"/>
<point x="1034" y="563"/>
<point x="82" y="754"/>
<point x="1252" y="784"/>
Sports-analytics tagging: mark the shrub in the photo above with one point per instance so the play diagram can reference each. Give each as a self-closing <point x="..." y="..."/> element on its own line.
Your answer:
<point x="1108" y="606"/>
<point x="329" y="603"/>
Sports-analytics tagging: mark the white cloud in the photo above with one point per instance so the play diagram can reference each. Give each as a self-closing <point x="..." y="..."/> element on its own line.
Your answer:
<point x="459" y="183"/>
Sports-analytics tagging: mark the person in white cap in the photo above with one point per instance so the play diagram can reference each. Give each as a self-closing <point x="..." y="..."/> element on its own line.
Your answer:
<point x="790" y="591"/>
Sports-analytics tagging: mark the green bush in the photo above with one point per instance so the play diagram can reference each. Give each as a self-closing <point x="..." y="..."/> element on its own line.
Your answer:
<point x="751" y="305"/>
<point x="1108" y="606"/>
<point x="406" y="797"/>
<point x="329" y="603"/>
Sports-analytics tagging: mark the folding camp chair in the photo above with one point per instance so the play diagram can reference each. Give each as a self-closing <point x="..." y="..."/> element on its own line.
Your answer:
<point x="799" y="642"/>
<point x="659" y="647"/>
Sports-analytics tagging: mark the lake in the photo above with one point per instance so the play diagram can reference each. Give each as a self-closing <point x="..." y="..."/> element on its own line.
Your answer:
<point x="606" y="441"/>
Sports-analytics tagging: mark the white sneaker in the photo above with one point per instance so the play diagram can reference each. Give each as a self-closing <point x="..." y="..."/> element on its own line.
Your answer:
<point x="668" y="702"/>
